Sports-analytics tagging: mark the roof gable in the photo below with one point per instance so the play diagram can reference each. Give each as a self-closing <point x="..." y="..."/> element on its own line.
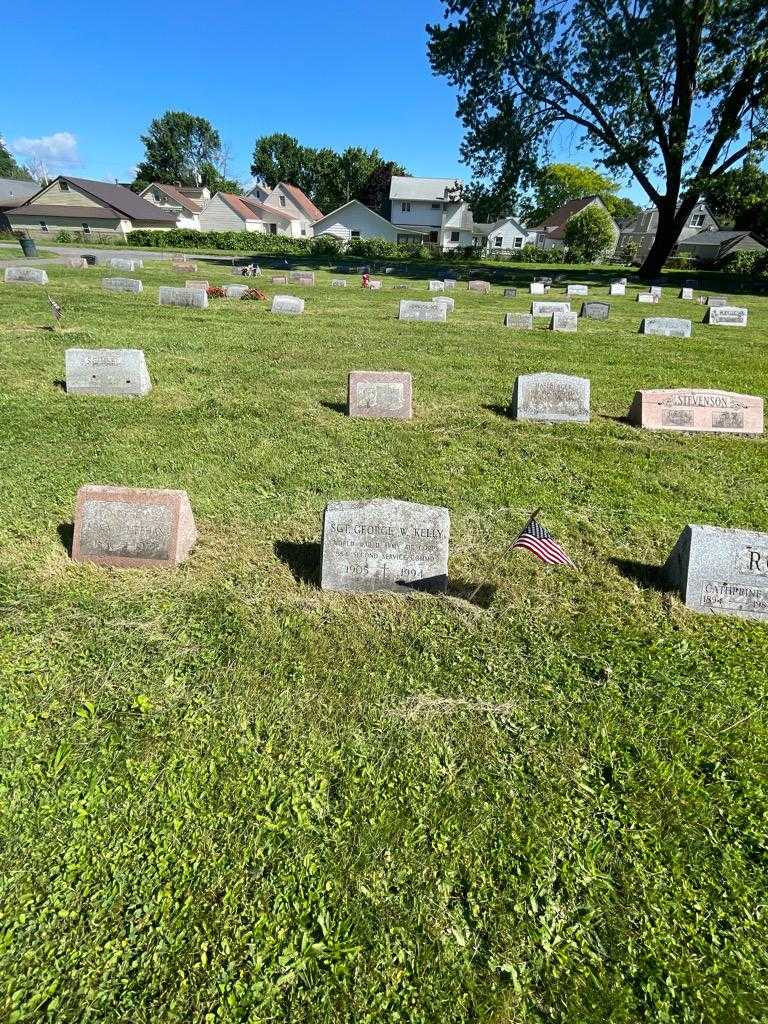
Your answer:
<point x="176" y="195"/>
<point x="433" y="190"/>
<point x="301" y="200"/>
<point x="354" y="202"/>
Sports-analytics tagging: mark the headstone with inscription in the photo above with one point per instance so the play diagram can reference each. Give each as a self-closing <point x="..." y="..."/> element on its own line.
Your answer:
<point x="379" y="395"/>
<point x="648" y="297"/>
<point x="122" y="284"/>
<point x="446" y="301"/>
<point x="338" y="282"/>
<point x="655" y="289"/>
<point x="686" y="293"/>
<point x="536" y="287"/>
<point x="510" y="293"/>
<point x="436" y="286"/>
<point x="25" y="275"/>
<point x="235" y="291"/>
<point x="666" y="326"/>
<point x="549" y="308"/>
<point x="184" y="266"/>
<point x="384" y="544"/>
<point x="551" y="398"/>
<point x="567" y="323"/>
<point x="203" y="285"/>
<point x="717" y="300"/>
<point x="449" y="282"/>
<point x="522" y="321"/>
<point x="306" y="278"/>
<point x="697" y="409"/>
<point x="727" y="316"/>
<point x="617" y="288"/>
<point x="132" y="526"/>
<point x="278" y="279"/>
<point x="596" y="310"/>
<point x="577" y="289"/>
<point x="183" y="297"/>
<point x="109" y="372"/>
<point x="720" y="571"/>
<point x="411" y="309"/>
<point x="121" y="263"/>
<point x="483" y="287"/>
<point x="289" y="304"/>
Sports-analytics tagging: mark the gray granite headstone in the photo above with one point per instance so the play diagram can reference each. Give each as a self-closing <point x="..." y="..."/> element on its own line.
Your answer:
<point x="303" y="277"/>
<point x="235" y="291"/>
<point x="510" y="293"/>
<point x="483" y="287"/>
<point x="721" y="571"/>
<point x="522" y="321"/>
<point x="289" y="304"/>
<point x="567" y="323"/>
<point x="666" y="326"/>
<point x="617" y="288"/>
<point x="577" y="289"/>
<point x="183" y="297"/>
<point x="551" y="398"/>
<point x="449" y="282"/>
<point x="338" y="282"/>
<point x="648" y="297"/>
<point x="122" y="284"/>
<point x="717" y="300"/>
<point x="121" y="263"/>
<point x="384" y="544"/>
<point x="596" y="310"/>
<point x="686" y="293"/>
<point x="374" y="394"/>
<point x="436" y="286"/>
<point x="549" y="308"/>
<point x="25" y="275"/>
<point x="109" y="372"/>
<point x="727" y="316"/>
<point x="410" y="309"/>
<point x="132" y="527"/>
<point x="447" y="301"/>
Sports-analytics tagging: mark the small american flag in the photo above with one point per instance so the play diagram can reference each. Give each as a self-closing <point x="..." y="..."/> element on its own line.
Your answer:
<point x="55" y="308"/>
<point x="541" y="543"/>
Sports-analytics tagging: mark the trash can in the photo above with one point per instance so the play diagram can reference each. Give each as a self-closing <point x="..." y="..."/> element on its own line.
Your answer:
<point x="28" y="246"/>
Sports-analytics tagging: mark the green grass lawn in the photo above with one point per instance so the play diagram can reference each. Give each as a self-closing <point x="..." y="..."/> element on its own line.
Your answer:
<point x="228" y="796"/>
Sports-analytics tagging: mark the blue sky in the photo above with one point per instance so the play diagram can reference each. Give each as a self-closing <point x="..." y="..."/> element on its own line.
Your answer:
<point x="330" y="72"/>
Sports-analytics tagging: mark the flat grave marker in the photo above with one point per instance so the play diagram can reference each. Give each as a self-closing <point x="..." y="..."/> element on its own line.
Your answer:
<point x="697" y="409"/>
<point x="412" y="309"/>
<point x="385" y="545"/>
<point x="25" y="275"/>
<point x="107" y="372"/>
<point x="727" y="316"/>
<point x="551" y="398"/>
<point x="666" y="326"/>
<point x="132" y="527"/>
<point x="195" y="297"/>
<point x="720" y="571"/>
<point x="289" y="304"/>
<point x="373" y="394"/>
<point x="338" y="282"/>
<point x="122" y="284"/>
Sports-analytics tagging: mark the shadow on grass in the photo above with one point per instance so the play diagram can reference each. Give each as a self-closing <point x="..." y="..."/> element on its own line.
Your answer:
<point x="302" y="558"/>
<point x="648" y="576"/>
<point x="624" y="420"/>
<point x="340" y="407"/>
<point x="66" y="532"/>
<point x="481" y="596"/>
<point x="61" y="385"/>
<point x="499" y="410"/>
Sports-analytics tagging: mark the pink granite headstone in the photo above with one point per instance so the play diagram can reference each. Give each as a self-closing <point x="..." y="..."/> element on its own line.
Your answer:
<point x="697" y="409"/>
<point x="379" y="395"/>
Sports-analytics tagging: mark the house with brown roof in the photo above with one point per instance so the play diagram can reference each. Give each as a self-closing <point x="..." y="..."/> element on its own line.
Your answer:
<point x="228" y="212"/>
<point x="88" y="208"/>
<point x="550" y="234"/>
<point x="187" y="203"/>
<point x="288" y="198"/>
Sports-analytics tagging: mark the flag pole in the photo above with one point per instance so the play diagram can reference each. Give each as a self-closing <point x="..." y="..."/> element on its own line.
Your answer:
<point x="509" y="547"/>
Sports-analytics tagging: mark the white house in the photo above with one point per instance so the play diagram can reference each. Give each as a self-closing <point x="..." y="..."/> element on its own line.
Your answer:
<point x="288" y="199"/>
<point x="354" y="220"/>
<point x="228" y="212"/>
<point x="186" y="203"/>
<point x="419" y="207"/>
<point x="642" y="230"/>
<point x="504" y="235"/>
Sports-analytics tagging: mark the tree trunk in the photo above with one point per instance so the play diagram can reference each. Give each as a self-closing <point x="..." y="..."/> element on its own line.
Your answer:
<point x="671" y="223"/>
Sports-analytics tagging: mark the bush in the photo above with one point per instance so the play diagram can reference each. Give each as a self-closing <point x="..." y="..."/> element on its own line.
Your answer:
<point x="64" y="236"/>
<point x="589" y="235"/>
<point x="231" y="241"/>
<point x="325" y="245"/>
<point x="745" y="263"/>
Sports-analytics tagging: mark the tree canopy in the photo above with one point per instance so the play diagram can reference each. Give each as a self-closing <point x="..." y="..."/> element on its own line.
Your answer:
<point x="673" y="91"/>
<point x="184" y="149"/>
<point x="327" y="177"/>
<point x="555" y="184"/>
<point x="9" y="168"/>
<point x="589" y="235"/>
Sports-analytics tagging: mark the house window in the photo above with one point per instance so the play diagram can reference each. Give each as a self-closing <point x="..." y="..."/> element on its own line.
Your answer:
<point x="354" y="234"/>
<point x="498" y="241"/>
<point x="282" y="200"/>
<point x="405" y="207"/>
<point x="272" y="229"/>
<point x="64" y="186"/>
<point x="455" y="236"/>
<point x="518" y="243"/>
<point x="303" y="230"/>
<point x="43" y="226"/>
<point x="697" y="220"/>
<point x="86" y="229"/>
<point x="433" y="237"/>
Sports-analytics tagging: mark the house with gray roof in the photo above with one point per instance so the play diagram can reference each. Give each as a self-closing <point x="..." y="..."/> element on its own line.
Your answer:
<point x="714" y="246"/>
<point x="641" y="231"/>
<point x="13" y="192"/>
<point x="187" y="203"/>
<point x="87" y="207"/>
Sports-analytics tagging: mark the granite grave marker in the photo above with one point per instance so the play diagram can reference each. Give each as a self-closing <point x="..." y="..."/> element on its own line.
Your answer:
<point x="122" y="284"/>
<point x="551" y="398"/>
<point x="373" y="394"/>
<point x="666" y="326"/>
<point x="411" y="309"/>
<point x="289" y="304"/>
<point x="109" y="372"/>
<point x="195" y="297"/>
<point x="25" y="275"/>
<point x="697" y="409"/>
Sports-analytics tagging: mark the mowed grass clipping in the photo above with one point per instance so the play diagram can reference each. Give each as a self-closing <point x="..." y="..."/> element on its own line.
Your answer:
<point x="228" y="796"/>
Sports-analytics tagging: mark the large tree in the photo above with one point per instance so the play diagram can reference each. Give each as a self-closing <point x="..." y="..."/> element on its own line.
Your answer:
<point x="9" y="168"/>
<point x="674" y="91"/>
<point x="375" y="192"/>
<point x="182" y="149"/>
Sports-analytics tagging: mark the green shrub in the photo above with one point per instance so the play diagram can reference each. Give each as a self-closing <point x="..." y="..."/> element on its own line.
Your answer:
<point x="231" y="241"/>
<point x="325" y="245"/>
<point x="64" y="236"/>
<point x="589" y="235"/>
<point x="745" y="263"/>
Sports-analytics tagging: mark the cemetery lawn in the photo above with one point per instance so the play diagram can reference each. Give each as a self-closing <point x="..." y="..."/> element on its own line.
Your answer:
<point x="229" y="796"/>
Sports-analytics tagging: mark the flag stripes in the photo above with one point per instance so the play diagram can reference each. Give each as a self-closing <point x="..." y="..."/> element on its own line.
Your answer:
<point x="540" y="542"/>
